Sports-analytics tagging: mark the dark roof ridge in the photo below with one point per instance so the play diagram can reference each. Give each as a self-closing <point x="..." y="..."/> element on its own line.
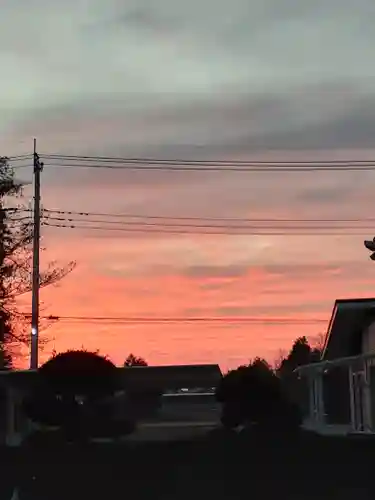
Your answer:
<point x="359" y="300"/>
<point x="365" y="301"/>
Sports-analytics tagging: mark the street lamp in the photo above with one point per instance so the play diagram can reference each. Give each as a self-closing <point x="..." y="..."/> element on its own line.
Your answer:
<point x="370" y="245"/>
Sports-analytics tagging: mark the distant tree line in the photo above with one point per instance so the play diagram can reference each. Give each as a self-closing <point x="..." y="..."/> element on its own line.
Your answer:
<point x="133" y="360"/>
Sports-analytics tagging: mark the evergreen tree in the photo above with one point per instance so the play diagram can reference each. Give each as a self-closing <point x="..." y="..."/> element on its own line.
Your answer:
<point x="16" y="235"/>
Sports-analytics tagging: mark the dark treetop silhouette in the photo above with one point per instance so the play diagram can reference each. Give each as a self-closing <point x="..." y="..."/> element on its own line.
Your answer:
<point x="133" y="360"/>
<point x="254" y="394"/>
<point x="76" y="393"/>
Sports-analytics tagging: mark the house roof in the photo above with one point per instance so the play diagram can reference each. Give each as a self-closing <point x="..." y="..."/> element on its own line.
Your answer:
<point x="18" y="378"/>
<point x="140" y="377"/>
<point x="349" y="319"/>
<point x="171" y="377"/>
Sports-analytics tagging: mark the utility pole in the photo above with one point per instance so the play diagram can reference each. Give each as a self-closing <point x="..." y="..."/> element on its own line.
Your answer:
<point x="2" y="312"/>
<point x="38" y="167"/>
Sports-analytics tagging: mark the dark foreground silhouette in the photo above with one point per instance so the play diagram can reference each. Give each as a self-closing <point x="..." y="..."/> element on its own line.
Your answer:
<point x="274" y="460"/>
<point x="220" y="466"/>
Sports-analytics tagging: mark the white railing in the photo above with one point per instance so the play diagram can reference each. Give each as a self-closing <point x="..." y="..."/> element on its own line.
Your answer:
<point x="361" y="394"/>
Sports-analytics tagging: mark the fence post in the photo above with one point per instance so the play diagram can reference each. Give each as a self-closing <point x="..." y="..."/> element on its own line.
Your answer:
<point x="367" y="416"/>
<point x="353" y="419"/>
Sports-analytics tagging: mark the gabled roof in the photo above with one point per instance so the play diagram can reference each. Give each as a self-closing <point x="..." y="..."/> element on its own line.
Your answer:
<point x="349" y="319"/>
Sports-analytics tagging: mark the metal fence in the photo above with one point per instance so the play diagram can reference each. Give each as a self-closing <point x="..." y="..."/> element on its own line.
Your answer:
<point x="341" y="394"/>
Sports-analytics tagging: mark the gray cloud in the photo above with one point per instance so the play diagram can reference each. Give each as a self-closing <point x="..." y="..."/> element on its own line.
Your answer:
<point x="276" y="272"/>
<point x="191" y="80"/>
<point x="310" y="270"/>
<point x="352" y="128"/>
<point x="141" y="75"/>
<point x="268" y="309"/>
<point x="219" y="271"/>
<point x="223" y="275"/>
<point x="261" y="310"/>
<point x="324" y="194"/>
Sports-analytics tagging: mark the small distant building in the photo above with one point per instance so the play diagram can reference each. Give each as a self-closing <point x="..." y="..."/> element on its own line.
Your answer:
<point x="148" y="390"/>
<point x="190" y="407"/>
<point x="171" y="378"/>
<point x="149" y="394"/>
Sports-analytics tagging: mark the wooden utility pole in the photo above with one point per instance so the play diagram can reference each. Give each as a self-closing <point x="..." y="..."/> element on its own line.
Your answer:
<point x="34" y="351"/>
<point x="2" y="312"/>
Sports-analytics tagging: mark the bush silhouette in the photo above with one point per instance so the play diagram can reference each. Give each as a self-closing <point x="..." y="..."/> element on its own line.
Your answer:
<point x="79" y="372"/>
<point x="75" y="393"/>
<point x="254" y="394"/>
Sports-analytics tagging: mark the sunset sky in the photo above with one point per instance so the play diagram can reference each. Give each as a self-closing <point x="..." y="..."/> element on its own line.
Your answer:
<point x="276" y="80"/>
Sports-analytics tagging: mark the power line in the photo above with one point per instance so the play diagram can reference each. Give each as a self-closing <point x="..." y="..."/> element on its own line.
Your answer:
<point x="181" y="161"/>
<point x="219" y="219"/>
<point x="108" y="162"/>
<point x="114" y="159"/>
<point x="179" y="164"/>
<point x="164" y="230"/>
<point x="20" y="161"/>
<point x="176" y="165"/>
<point x="143" y="225"/>
<point x="225" y="168"/>
<point x="20" y="219"/>
<point x="14" y="209"/>
<point x="177" y="225"/>
<point x="18" y="157"/>
<point x="169" y="319"/>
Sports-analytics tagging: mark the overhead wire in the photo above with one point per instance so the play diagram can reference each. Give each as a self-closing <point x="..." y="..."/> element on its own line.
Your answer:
<point x="197" y="218"/>
<point x="85" y="221"/>
<point x="201" y="161"/>
<point x="215" y="165"/>
<point x="164" y="224"/>
<point x="18" y="157"/>
<point x="230" y="168"/>
<point x="163" y="230"/>
<point x="204" y="165"/>
<point x="20" y="161"/>
<point x="176" y="225"/>
<point x="184" y="319"/>
<point x="49" y="217"/>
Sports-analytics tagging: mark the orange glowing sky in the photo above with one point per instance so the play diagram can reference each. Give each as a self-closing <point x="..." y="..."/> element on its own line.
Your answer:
<point x="288" y="282"/>
<point x="206" y="79"/>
